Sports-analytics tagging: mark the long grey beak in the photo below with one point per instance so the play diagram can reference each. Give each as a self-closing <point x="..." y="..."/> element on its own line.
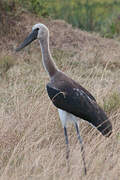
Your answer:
<point x="32" y="36"/>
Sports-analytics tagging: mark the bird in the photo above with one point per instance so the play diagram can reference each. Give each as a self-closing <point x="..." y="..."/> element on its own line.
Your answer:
<point x="71" y="99"/>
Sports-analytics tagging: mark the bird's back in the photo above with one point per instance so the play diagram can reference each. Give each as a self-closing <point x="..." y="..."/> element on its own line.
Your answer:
<point x="68" y="95"/>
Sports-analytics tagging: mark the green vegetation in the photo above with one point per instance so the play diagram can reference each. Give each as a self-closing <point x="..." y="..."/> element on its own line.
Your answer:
<point x="112" y="103"/>
<point x="100" y="16"/>
<point x="5" y="63"/>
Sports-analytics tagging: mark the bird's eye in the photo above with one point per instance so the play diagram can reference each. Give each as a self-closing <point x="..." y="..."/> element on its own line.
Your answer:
<point x="37" y="29"/>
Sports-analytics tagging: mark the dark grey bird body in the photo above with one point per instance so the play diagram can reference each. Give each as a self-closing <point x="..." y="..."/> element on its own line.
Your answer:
<point x="71" y="99"/>
<point x="69" y="96"/>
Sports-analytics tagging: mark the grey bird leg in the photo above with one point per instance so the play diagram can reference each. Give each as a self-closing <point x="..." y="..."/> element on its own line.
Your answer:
<point x="66" y="141"/>
<point x="82" y="149"/>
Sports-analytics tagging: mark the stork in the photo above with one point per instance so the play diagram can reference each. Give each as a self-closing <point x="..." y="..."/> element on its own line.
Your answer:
<point x="72" y="100"/>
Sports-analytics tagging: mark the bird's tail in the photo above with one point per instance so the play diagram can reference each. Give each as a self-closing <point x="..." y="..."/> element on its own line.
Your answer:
<point x="100" y="120"/>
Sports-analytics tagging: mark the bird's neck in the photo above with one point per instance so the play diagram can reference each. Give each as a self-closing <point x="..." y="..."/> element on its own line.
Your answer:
<point x="48" y="62"/>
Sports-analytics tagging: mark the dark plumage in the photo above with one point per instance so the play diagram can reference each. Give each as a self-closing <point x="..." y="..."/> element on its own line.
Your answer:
<point x="69" y="96"/>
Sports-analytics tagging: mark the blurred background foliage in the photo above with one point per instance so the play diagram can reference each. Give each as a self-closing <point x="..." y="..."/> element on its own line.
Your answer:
<point x="101" y="16"/>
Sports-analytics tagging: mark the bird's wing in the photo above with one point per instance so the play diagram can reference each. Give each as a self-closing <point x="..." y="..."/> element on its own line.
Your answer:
<point x="77" y="102"/>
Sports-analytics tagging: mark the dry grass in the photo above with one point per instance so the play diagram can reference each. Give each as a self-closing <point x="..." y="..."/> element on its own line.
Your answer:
<point x="32" y="144"/>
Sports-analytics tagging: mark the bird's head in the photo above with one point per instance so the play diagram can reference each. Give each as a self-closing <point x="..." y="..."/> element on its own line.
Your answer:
<point x="39" y="31"/>
<point x="42" y="31"/>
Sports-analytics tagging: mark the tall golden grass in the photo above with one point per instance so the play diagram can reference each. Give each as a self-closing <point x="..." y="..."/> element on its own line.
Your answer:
<point x="32" y="144"/>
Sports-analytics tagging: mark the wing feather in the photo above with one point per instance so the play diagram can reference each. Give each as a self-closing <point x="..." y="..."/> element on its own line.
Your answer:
<point x="79" y="103"/>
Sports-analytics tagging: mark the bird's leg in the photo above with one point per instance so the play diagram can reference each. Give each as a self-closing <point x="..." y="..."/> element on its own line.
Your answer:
<point x="82" y="149"/>
<point x="67" y="143"/>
